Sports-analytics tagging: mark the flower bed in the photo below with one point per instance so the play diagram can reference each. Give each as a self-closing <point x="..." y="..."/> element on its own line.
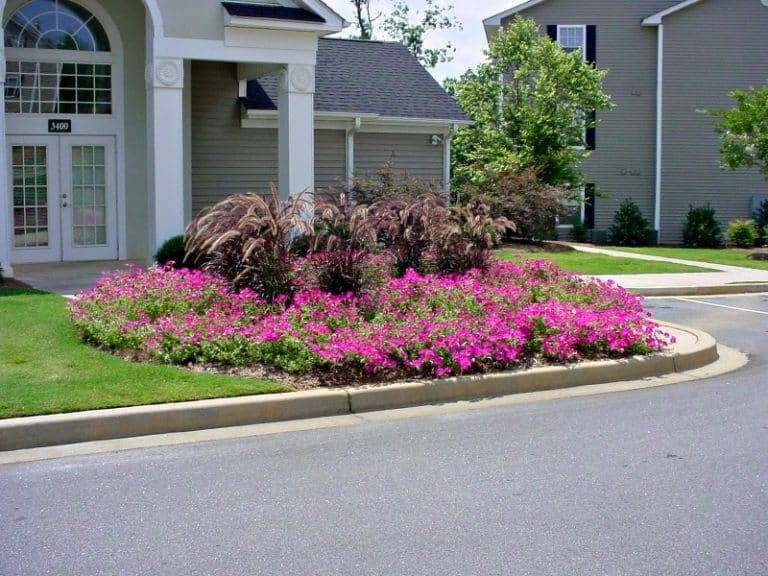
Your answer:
<point x="415" y="326"/>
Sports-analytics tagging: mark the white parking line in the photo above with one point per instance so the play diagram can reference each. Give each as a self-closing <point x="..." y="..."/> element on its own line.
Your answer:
<point x="721" y="306"/>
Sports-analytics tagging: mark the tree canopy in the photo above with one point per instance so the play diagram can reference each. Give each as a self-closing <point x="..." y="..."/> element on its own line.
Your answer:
<point x="744" y="130"/>
<point x="531" y="103"/>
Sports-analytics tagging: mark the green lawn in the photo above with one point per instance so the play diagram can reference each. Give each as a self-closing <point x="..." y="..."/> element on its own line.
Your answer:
<point x="728" y="256"/>
<point x="595" y="264"/>
<point x="44" y="369"/>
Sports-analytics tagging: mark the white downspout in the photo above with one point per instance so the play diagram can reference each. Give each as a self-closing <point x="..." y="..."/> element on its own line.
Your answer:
<point x="447" y="161"/>
<point x="659" y="128"/>
<point x="351" y="151"/>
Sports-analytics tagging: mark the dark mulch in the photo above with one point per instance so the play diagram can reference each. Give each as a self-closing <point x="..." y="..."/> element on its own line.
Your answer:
<point x="13" y="283"/>
<point x="534" y="246"/>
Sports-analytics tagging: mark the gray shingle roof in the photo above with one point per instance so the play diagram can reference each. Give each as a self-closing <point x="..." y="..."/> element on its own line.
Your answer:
<point x="367" y="77"/>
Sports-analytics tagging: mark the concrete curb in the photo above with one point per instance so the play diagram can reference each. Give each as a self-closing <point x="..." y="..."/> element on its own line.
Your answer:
<point x="694" y="349"/>
<point x="723" y="290"/>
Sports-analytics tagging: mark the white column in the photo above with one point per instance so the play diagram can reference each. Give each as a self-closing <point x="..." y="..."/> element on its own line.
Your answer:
<point x="5" y="194"/>
<point x="296" y="130"/>
<point x="166" y="135"/>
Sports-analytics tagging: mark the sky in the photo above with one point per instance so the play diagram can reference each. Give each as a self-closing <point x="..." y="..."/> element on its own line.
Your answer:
<point x="469" y="42"/>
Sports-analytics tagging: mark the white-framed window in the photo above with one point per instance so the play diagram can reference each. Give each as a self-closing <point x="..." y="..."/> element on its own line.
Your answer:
<point x="572" y="37"/>
<point x="59" y="60"/>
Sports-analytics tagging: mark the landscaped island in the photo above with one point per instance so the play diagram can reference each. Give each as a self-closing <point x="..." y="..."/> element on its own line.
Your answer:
<point x="402" y="288"/>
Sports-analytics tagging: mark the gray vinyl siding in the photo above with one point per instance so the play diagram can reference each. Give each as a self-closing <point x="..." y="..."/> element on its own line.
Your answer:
<point x="228" y="159"/>
<point x="623" y="164"/>
<point x="330" y="158"/>
<point x="711" y="48"/>
<point x="411" y="154"/>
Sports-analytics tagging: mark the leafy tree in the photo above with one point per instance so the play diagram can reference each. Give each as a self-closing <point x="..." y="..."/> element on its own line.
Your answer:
<point x="530" y="103"/>
<point x="744" y="130"/>
<point x="411" y="28"/>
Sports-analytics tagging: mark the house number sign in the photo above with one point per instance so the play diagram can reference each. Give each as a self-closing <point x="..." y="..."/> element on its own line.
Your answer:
<point x="59" y="126"/>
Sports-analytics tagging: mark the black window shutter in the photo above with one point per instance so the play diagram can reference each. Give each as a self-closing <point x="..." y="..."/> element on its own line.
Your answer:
<point x="552" y="32"/>
<point x="592" y="134"/>
<point x="589" y="206"/>
<point x="592" y="44"/>
<point x="592" y="59"/>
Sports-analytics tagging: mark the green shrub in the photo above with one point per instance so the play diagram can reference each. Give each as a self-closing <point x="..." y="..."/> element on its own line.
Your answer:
<point x="742" y="233"/>
<point x="580" y="232"/>
<point x="702" y="230"/>
<point x="761" y="220"/>
<point x="172" y="250"/>
<point x="629" y="227"/>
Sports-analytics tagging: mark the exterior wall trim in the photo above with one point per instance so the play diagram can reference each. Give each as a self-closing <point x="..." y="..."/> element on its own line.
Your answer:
<point x="655" y="19"/>
<point x="496" y="19"/>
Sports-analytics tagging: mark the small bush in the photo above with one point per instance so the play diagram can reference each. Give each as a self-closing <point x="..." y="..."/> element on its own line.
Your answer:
<point x="174" y="250"/>
<point x="629" y="227"/>
<point x="702" y="230"/>
<point x="521" y="197"/>
<point x="467" y="240"/>
<point x="388" y="184"/>
<point x="580" y="232"/>
<point x="248" y="240"/>
<point x="761" y="220"/>
<point x="742" y="233"/>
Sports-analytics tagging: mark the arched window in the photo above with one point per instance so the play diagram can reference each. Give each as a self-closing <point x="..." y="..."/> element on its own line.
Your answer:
<point x="55" y="25"/>
<point x="58" y="60"/>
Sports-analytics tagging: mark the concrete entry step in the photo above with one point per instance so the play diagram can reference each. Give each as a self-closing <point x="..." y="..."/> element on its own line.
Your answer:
<point x="66" y="278"/>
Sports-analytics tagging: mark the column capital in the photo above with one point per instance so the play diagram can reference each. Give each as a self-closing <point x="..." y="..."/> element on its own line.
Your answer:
<point x="165" y="73"/>
<point x="297" y="79"/>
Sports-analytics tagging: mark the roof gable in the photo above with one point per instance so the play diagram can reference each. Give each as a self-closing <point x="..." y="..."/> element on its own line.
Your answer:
<point x="367" y="77"/>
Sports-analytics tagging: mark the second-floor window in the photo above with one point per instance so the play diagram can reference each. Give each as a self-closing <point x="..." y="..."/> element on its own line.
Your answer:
<point x="572" y="38"/>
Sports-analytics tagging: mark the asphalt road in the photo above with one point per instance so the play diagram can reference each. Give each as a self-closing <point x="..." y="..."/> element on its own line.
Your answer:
<point x="670" y="480"/>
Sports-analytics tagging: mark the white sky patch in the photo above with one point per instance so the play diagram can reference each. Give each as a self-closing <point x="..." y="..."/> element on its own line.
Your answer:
<point x="470" y="43"/>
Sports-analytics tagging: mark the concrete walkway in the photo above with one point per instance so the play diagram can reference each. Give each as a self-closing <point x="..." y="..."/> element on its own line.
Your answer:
<point x="721" y="275"/>
<point x="65" y="278"/>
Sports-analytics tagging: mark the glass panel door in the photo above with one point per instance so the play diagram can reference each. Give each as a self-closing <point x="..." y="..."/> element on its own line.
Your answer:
<point x="34" y="198"/>
<point x="89" y="198"/>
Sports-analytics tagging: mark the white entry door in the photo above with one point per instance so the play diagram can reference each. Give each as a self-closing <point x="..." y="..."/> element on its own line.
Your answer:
<point x="88" y="198"/>
<point x="64" y="198"/>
